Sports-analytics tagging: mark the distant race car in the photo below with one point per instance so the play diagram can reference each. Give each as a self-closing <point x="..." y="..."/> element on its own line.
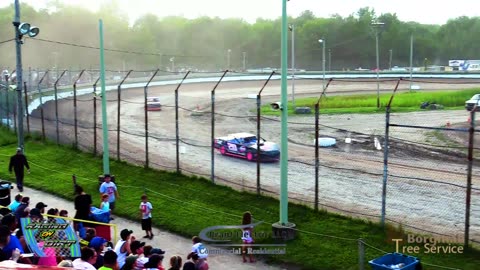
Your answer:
<point x="244" y="145"/>
<point x="153" y="104"/>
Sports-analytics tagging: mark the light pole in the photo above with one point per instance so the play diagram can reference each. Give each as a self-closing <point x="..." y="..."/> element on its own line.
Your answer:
<point x="228" y="58"/>
<point x="377" y="26"/>
<point x="106" y="151"/>
<point x="390" y="60"/>
<point x="291" y="27"/>
<point x="329" y="60"/>
<point x="283" y="228"/>
<point x="244" y="61"/>
<point x="173" y="63"/>
<point x="21" y="29"/>
<point x="411" y="60"/>
<point x="323" y="60"/>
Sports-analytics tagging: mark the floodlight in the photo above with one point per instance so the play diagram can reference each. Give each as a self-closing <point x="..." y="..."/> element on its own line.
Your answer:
<point x="24" y="28"/>
<point x="34" y="31"/>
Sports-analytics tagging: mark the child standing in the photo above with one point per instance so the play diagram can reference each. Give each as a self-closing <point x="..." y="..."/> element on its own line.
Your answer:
<point x="146" y="214"/>
<point x="247" y="236"/>
<point x="105" y="205"/>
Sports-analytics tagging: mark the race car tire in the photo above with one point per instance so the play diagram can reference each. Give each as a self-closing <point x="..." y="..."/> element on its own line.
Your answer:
<point x="249" y="156"/>
<point x="223" y="151"/>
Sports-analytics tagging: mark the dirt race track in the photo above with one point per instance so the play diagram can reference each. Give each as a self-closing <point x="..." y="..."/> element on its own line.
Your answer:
<point x="350" y="179"/>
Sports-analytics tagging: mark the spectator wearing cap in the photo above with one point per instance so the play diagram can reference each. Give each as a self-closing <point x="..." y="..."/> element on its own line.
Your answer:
<point x="154" y="262"/>
<point x="110" y="261"/>
<point x="88" y="257"/>
<point x="14" y="205"/>
<point x="122" y="248"/>
<point x="98" y="244"/>
<point x="17" y="163"/>
<point x="130" y="263"/>
<point x="137" y="249"/>
<point x="41" y="206"/>
<point x="36" y="215"/>
<point x="109" y="188"/>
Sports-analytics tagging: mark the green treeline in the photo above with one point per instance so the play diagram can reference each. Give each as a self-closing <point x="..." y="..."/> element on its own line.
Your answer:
<point x="204" y="43"/>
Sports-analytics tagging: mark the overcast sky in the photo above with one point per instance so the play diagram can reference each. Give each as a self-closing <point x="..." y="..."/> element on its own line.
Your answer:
<point x="421" y="11"/>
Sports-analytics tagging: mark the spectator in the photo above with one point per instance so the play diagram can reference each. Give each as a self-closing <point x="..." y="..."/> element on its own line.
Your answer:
<point x="109" y="261"/>
<point x="9" y="242"/>
<point x="36" y="215"/>
<point x="41" y="206"/>
<point x="198" y="248"/>
<point x="83" y="203"/>
<point x="98" y="244"/>
<point x="137" y="249"/>
<point x="10" y="222"/>
<point x="146" y="213"/>
<point x="199" y="264"/>
<point x="63" y="213"/>
<point x="52" y="212"/>
<point x="130" y="263"/>
<point x="247" y="236"/>
<point x="175" y="263"/>
<point x="189" y="266"/>
<point x="17" y="163"/>
<point x="122" y="248"/>
<point x="111" y="189"/>
<point x="88" y="257"/>
<point x="14" y="205"/>
<point x="105" y="205"/>
<point x="154" y="263"/>
<point x="65" y="263"/>
<point x="21" y="209"/>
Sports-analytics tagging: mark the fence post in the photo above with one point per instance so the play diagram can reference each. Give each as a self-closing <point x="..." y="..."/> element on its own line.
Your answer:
<point x="29" y="77"/>
<point x="177" y="130"/>
<point x="259" y="103"/>
<point x="41" y="104"/>
<point x="212" y="139"/>
<point x="75" y="106"/>
<point x="119" y="91"/>
<point x="317" y="158"/>
<point x="361" y="254"/>
<point x="385" y="154"/>
<point x="471" y="133"/>
<point x="56" y="105"/>
<point x="95" y="116"/>
<point x="146" y="117"/>
<point x="26" y="105"/>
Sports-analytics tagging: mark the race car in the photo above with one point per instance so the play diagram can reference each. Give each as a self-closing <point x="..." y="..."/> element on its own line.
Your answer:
<point x="153" y="104"/>
<point x="244" y="145"/>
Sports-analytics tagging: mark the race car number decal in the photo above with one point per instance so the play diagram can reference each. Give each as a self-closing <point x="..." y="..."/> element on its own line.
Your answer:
<point x="232" y="147"/>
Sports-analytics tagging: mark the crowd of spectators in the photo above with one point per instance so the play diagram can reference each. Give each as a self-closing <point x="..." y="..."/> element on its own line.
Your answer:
<point x="96" y="251"/>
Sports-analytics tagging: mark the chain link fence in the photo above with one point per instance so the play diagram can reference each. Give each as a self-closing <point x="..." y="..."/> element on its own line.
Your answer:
<point x="426" y="187"/>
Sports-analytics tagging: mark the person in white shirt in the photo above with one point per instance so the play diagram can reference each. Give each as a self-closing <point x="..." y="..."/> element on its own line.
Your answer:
<point x="146" y="213"/>
<point x="122" y="248"/>
<point x="199" y="249"/>
<point x="87" y="259"/>
<point x="109" y="188"/>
